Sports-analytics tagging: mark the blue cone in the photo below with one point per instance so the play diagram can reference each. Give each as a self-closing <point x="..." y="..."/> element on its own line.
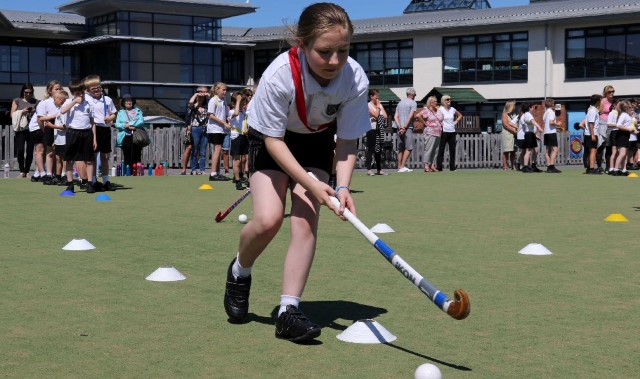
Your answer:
<point x="103" y="197"/>
<point x="67" y="193"/>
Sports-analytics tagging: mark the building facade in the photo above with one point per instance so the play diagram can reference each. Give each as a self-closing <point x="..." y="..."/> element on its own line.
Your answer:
<point x="565" y="49"/>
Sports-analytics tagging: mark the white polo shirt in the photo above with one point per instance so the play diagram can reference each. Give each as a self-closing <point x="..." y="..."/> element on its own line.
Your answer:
<point x="101" y="107"/>
<point x="592" y="116"/>
<point x="549" y="115"/>
<point x="274" y="111"/>
<point x="80" y="115"/>
<point x="218" y="108"/>
<point x="60" y="134"/>
<point x="40" y="111"/>
<point x="526" y="123"/>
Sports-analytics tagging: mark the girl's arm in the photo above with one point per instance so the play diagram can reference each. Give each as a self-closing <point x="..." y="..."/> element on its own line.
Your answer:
<point x="67" y="106"/>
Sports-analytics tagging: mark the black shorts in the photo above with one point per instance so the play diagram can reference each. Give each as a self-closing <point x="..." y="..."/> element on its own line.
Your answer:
<point x="103" y="138"/>
<point x="239" y="145"/>
<point x="551" y="140"/>
<point x="612" y="137"/>
<point x="47" y="137"/>
<point x="36" y="137"/>
<point x="310" y="150"/>
<point x="633" y="147"/>
<point x="530" y="141"/>
<point x="622" y="139"/>
<point x="520" y="143"/>
<point x="79" y="145"/>
<point x="60" y="150"/>
<point x="588" y="143"/>
<point x="215" y="138"/>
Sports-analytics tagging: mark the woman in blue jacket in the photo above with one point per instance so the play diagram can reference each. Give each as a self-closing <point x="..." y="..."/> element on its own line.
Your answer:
<point x="129" y="118"/>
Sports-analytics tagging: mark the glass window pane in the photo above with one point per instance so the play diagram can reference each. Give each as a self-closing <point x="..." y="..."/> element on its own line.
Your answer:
<point x="503" y="51"/>
<point x="575" y="33"/>
<point x="172" y="31"/>
<point x="520" y="50"/>
<point x="204" y="55"/>
<point x="171" y="19"/>
<point x="174" y="73"/>
<point x="139" y="16"/>
<point x="406" y="58"/>
<point x="451" y="52"/>
<point x="203" y="74"/>
<point x="595" y="47"/>
<point x="615" y="47"/>
<point x="172" y="54"/>
<point x="376" y="59"/>
<point x="633" y="46"/>
<point x="363" y="58"/>
<point x="468" y="51"/>
<point x="5" y="62"/>
<point x="575" y="48"/>
<point x="19" y="59"/>
<point x="141" y="52"/>
<point x="485" y="50"/>
<point x="141" y="91"/>
<point x="391" y="58"/>
<point x="37" y="60"/>
<point x="141" y="72"/>
<point x="140" y="29"/>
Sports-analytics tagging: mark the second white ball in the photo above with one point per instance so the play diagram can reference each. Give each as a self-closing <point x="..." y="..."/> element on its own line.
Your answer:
<point x="243" y="218"/>
<point x="428" y="371"/>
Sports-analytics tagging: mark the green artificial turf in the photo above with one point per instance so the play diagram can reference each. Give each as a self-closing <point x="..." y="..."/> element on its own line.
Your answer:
<point x="79" y="314"/>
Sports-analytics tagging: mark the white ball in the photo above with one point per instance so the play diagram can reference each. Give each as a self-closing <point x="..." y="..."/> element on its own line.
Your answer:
<point x="428" y="371"/>
<point x="243" y="218"/>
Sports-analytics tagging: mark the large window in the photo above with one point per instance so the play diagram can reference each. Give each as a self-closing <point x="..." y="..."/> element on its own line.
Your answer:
<point x="35" y="64"/>
<point x="486" y="58"/>
<point x="262" y="59"/>
<point x="387" y="63"/>
<point x="154" y="62"/>
<point x="142" y="24"/>
<point x="604" y="52"/>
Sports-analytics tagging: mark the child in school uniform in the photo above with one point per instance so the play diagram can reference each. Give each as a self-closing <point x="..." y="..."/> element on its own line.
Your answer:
<point x="529" y="125"/>
<point x="104" y="113"/>
<point x="551" y="135"/>
<point x="239" y="141"/>
<point x="57" y="122"/>
<point x="306" y="95"/>
<point x="80" y="135"/>
<point x="47" y="107"/>
<point x="591" y="132"/>
<point x="216" y="127"/>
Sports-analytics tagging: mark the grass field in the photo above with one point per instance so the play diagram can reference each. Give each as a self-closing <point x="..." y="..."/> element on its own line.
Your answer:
<point x="79" y="314"/>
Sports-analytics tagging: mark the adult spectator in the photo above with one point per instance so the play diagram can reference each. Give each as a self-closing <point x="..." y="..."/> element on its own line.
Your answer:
<point x="509" y="132"/>
<point x="451" y="118"/>
<point x="432" y="120"/>
<point x="22" y="110"/>
<point x="375" y="136"/>
<point x="405" y="112"/>
<point x="129" y="118"/>
<point x="605" y="142"/>
<point x="197" y="124"/>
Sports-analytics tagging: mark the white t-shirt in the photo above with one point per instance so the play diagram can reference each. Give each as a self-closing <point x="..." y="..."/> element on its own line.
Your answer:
<point x="46" y="108"/>
<point x="592" y="116"/>
<point x="516" y="121"/>
<point x="218" y="108"/>
<point x="448" y="125"/>
<point x="612" y="119"/>
<point x="237" y="123"/>
<point x="40" y="111"/>
<point x="549" y="115"/>
<point x="526" y="123"/>
<point x="60" y="138"/>
<point x="625" y="120"/>
<point x="274" y="111"/>
<point x="99" y="107"/>
<point x="80" y="116"/>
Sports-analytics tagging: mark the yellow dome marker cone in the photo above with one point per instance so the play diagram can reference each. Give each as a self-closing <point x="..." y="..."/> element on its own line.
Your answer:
<point x="205" y="187"/>
<point x="632" y="175"/>
<point x="616" y="217"/>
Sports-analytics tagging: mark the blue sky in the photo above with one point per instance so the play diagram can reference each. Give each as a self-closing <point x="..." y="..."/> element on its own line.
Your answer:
<point x="274" y="12"/>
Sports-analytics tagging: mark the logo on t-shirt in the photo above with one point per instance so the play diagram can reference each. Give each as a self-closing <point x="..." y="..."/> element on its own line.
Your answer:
<point x="332" y="109"/>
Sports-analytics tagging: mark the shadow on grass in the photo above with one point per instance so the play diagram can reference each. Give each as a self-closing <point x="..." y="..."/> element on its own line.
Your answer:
<point x="451" y="365"/>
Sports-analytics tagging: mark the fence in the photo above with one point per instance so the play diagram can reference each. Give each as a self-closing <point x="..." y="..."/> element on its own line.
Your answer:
<point x="472" y="150"/>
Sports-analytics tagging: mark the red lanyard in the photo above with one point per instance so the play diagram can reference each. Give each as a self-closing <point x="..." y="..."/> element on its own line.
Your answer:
<point x="301" y="105"/>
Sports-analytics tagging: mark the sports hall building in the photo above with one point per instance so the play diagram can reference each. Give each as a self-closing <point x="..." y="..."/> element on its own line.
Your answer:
<point x="160" y="50"/>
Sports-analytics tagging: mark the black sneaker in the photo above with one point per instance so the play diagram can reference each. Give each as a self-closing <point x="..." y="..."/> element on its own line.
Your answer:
<point x="35" y="179"/>
<point x="535" y="169"/>
<point x="623" y="173"/>
<point x="70" y="188"/>
<point x="108" y="187"/>
<point x="239" y="186"/>
<point x="90" y="188"/>
<point x="236" y="295"/>
<point x="293" y="325"/>
<point x="97" y="186"/>
<point x="46" y="180"/>
<point x="83" y="184"/>
<point x="526" y="170"/>
<point x="55" y="181"/>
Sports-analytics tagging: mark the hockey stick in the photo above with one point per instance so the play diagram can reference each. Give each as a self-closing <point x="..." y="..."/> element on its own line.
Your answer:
<point x="458" y="308"/>
<point x="220" y="216"/>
